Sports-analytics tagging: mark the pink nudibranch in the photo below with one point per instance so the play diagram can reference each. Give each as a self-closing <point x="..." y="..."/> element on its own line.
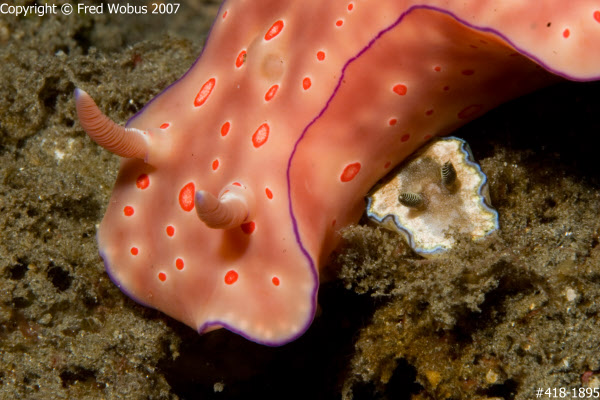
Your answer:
<point x="298" y="120"/>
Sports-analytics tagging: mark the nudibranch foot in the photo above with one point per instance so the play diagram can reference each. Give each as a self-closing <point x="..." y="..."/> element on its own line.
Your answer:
<point x="231" y="209"/>
<point x="441" y="188"/>
<point x="125" y="142"/>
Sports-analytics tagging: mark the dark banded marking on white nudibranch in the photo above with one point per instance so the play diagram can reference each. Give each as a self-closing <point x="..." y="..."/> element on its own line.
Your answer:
<point x="448" y="173"/>
<point x="412" y="200"/>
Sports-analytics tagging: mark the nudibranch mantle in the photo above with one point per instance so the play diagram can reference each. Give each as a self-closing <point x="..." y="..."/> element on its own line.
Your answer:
<point x="236" y="180"/>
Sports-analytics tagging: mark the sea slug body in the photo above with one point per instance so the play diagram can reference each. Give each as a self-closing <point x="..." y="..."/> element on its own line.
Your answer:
<point x="236" y="180"/>
<point x="435" y="192"/>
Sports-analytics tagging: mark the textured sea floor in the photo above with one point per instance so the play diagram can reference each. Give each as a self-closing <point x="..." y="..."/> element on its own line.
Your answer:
<point x="495" y="319"/>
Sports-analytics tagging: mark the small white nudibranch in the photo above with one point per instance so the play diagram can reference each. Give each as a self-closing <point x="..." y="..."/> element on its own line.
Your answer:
<point x="439" y="190"/>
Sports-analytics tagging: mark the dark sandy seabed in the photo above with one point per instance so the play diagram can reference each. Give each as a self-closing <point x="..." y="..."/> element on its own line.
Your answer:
<point x="495" y="319"/>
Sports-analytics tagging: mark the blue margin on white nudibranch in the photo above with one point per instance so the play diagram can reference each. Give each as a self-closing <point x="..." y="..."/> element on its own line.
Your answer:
<point x="405" y="231"/>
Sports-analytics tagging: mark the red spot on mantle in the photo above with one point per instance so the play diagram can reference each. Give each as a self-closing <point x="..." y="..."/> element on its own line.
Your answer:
<point x="467" y="72"/>
<point x="239" y="61"/>
<point x="350" y="172"/>
<point x="275" y="281"/>
<point x="261" y="135"/>
<point x="231" y="277"/>
<point x="142" y="181"/>
<point x="204" y="92"/>
<point x="128" y="211"/>
<point x="170" y="231"/>
<point x="274" y="30"/>
<point x="306" y="83"/>
<point x="269" y="193"/>
<point x="248" y="227"/>
<point x="470" y="111"/>
<point x="597" y="16"/>
<point x="225" y="128"/>
<point x="179" y="264"/>
<point x="400" y="89"/>
<point x="165" y="125"/>
<point x="162" y="276"/>
<point x="215" y="165"/>
<point x="186" y="197"/>
<point x="271" y="92"/>
<point x="566" y="33"/>
<point x="320" y="55"/>
<point x="134" y="251"/>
